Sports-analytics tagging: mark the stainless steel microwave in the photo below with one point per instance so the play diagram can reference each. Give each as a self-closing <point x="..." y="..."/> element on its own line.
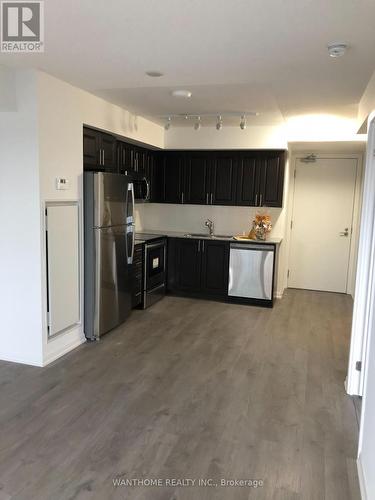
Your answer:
<point x="141" y="188"/>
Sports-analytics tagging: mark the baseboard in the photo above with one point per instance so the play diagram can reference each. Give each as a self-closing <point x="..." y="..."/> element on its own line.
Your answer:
<point x="361" y="478"/>
<point x="21" y="361"/>
<point x="58" y="354"/>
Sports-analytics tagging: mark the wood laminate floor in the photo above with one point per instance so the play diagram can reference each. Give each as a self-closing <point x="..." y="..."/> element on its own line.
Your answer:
<point x="189" y="389"/>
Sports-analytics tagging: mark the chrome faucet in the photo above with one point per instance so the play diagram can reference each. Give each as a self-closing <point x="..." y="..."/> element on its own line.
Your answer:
<point x="210" y="226"/>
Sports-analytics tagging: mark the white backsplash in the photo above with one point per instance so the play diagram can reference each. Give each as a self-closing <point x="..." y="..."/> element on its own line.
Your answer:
<point x="191" y="218"/>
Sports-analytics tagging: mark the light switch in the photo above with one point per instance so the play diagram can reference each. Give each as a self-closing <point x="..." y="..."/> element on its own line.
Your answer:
<point x="62" y="183"/>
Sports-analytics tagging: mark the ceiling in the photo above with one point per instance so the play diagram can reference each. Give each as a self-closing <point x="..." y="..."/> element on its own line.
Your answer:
<point x="234" y="56"/>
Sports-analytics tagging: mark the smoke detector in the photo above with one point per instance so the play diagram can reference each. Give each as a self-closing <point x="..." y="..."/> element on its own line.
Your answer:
<point x="337" y="49"/>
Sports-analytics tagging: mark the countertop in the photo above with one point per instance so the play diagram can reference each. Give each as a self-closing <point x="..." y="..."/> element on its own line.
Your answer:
<point x="181" y="234"/>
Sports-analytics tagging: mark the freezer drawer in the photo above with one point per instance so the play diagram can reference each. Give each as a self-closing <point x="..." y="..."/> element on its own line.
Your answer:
<point x="251" y="270"/>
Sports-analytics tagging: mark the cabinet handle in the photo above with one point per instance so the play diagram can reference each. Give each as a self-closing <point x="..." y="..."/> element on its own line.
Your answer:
<point x="100" y="156"/>
<point x="203" y="246"/>
<point x="182" y="197"/>
<point x="199" y="245"/>
<point x="206" y="198"/>
<point x="256" y="200"/>
<point x="261" y="200"/>
<point x="103" y="157"/>
<point x="211" y="198"/>
<point x="123" y="157"/>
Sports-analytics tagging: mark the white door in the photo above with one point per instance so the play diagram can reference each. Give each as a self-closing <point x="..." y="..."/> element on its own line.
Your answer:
<point x="322" y="223"/>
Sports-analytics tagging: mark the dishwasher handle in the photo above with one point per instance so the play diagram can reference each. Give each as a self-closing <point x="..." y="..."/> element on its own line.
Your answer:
<point x="260" y="247"/>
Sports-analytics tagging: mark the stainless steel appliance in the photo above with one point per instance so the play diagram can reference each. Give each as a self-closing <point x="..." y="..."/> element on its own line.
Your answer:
<point x="155" y="264"/>
<point x="251" y="271"/>
<point x="108" y="251"/>
<point x="141" y="187"/>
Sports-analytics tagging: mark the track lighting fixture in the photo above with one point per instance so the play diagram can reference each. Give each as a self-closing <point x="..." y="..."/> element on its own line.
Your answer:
<point x="167" y="126"/>
<point x="208" y="118"/>
<point x="197" y="124"/>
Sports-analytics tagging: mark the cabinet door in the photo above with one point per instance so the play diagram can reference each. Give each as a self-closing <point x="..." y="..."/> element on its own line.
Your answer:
<point x="271" y="180"/>
<point x="197" y="190"/>
<point x="156" y="176"/>
<point x="173" y="178"/>
<point x="215" y="267"/>
<point x="109" y="157"/>
<point x="223" y="181"/>
<point x="91" y="146"/>
<point x="247" y="181"/>
<point x="187" y="265"/>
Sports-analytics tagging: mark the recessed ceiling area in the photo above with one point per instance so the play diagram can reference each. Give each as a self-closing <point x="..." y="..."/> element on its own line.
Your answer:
<point x="270" y="57"/>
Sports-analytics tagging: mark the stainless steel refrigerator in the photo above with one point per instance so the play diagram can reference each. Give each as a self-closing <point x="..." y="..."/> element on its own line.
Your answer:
<point x="108" y="251"/>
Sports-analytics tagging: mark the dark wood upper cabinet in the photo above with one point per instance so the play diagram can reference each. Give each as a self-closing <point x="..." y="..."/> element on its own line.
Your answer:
<point x="99" y="151"/>
<point x="223" y="180"/>
<point x="91" y="148"/>
<point x="215" y="267"/>
<point x="109" y="156"/>
<point x="244" y="178"/>
<point x="247" y="181"/>
<point x="271" y="180"/>
<point x="196" y="190"/>
<point x="173" y="174"/>
<point x="125" y="157"/>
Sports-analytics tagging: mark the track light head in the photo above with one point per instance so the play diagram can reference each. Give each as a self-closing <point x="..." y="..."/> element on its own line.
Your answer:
<point x="167" y="126"/>
<point x="243" y="122"/>
<point x="197" y="124"/>
<point x="219" y="124"/>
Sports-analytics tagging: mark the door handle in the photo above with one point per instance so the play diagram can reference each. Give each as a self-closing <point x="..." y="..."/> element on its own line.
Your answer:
<point x="345" y="232"/>
<point x="261" y="200"/>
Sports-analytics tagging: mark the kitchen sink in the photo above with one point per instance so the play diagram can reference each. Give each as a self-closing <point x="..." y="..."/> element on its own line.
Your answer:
<point x="198" y="235"/>
<point x="208" y="237"/>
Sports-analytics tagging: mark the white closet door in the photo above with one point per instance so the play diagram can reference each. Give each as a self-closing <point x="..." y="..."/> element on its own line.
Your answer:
<point x="63" y="266"/>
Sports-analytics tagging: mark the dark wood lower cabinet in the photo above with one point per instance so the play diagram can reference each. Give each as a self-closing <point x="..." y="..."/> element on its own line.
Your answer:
<point x="198" y="267"/>
<point x="215" y="267"/>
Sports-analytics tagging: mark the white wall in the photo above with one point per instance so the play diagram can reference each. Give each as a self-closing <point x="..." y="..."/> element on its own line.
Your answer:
<point x="367" y="103"/>
<point x="20" y="237"/>
<point x="261" y="137"/>
<point x="366" y="451"/>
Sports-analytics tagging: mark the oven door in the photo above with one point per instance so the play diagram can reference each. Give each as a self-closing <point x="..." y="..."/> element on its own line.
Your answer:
<point x="141" y="189"/>
<point x="155" y="265"/>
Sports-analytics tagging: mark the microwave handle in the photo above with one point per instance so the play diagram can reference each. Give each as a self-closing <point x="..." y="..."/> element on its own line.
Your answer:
<point x="147" y="190"/>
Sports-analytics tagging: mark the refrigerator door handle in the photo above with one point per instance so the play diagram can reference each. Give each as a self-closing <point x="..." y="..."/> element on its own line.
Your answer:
<point x="130" y="218"/>
<point x="130" y="230"/>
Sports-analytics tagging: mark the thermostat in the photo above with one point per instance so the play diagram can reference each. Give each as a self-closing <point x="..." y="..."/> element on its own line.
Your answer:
<point x="62" y="183"/>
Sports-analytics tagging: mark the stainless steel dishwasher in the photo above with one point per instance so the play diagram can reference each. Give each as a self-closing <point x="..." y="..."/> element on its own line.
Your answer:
<point x="251" y="271"/>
